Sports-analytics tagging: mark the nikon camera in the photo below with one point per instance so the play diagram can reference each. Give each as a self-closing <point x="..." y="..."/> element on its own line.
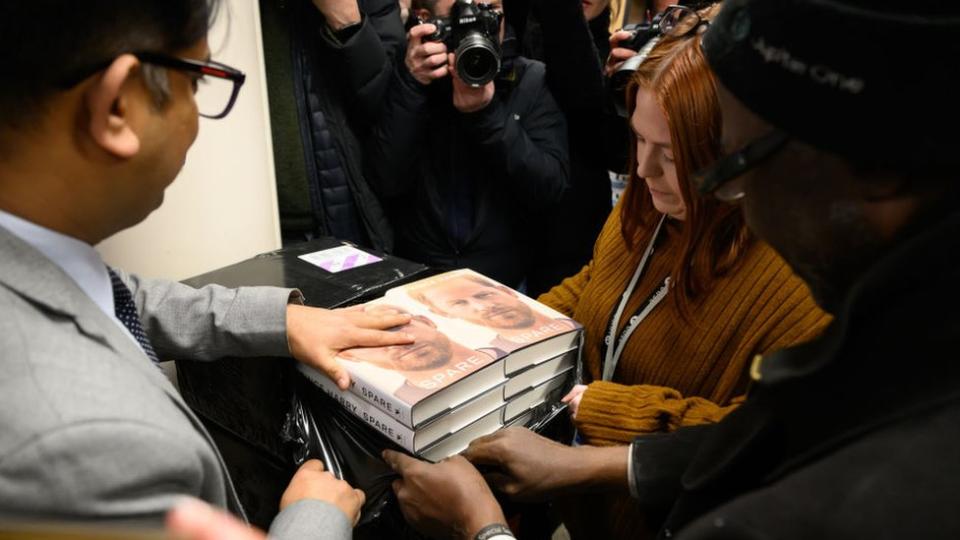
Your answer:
<point x="472" y="32"/>
<point x="645" y="37"/>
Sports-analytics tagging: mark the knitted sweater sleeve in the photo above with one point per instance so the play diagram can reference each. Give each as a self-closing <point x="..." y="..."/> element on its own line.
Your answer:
<point x="612" y="413"/>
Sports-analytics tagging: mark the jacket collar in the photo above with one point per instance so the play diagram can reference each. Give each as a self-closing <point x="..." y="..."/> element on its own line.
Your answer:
<point x="31" y="275"/>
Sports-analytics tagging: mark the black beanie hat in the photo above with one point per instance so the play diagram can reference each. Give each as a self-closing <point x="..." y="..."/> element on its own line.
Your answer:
<point x="877" y="81"/>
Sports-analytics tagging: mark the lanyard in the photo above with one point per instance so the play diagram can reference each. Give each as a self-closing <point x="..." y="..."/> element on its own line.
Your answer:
<point x="612" y="350"/>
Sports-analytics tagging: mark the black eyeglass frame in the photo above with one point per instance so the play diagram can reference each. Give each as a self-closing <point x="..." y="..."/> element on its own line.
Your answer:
<point x="664" y="28"/>
<point x="207" y="68"/>
<point x="731" y="166"/>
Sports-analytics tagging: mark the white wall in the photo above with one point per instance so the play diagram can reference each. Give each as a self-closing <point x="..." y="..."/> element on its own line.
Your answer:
<point x="223" y="206"/>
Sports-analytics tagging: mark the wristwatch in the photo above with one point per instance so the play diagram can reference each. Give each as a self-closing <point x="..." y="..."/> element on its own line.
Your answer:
<point x="496" y="531"/>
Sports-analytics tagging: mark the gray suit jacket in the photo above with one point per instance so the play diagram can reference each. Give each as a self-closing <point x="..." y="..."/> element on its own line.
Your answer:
<point x="90" y="428"/>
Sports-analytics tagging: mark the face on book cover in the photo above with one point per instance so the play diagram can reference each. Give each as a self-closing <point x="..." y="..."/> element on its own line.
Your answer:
<point x="431" y="349"/>
<point x="481" y="302"/>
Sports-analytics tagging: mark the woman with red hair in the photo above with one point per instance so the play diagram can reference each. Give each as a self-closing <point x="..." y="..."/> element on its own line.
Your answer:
<point x="679" y="297"/>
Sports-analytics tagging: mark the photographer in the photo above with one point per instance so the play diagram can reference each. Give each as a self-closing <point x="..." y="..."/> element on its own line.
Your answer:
<point x="329" y="64"/>
<point x="457" y="166"/>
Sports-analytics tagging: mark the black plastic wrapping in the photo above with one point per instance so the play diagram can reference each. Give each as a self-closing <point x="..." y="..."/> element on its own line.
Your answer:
<point x="244" y="402"/>
<point x="319" y="427"/>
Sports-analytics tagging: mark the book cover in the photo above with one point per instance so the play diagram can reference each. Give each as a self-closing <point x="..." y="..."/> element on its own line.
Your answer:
<point x="473" y="337"/>
<point x="508" y="321"/>
<point x="441" y="370"/>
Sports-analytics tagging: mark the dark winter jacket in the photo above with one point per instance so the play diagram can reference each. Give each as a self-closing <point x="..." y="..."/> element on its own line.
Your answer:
<point x="320" y="107"/>
<point x="574" y="52"/>
<point x="853" y="435"/>
<point x="460" y="187"/>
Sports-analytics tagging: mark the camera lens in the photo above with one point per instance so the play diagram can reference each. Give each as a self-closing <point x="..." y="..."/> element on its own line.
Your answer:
<point x="620" y="79"/>
<point x="478" y="59"/>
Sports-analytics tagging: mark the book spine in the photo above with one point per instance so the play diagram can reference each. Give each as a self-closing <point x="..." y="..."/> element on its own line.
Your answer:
<point x="395" y="408"/>
<point x="399" y="411"/>
<point x="373" y="416"/>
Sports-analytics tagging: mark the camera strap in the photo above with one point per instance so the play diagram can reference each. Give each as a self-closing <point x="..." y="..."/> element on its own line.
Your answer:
<point x="612" y="349"/>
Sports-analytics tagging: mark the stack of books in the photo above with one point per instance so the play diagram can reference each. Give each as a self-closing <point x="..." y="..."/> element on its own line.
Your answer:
<point x="485" y="356"/>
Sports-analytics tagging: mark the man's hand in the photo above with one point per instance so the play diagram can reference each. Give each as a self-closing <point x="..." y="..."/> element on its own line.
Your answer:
<point x="446" y="499"/>
<point x="427" y="61"/>
<point x="466" y="98"/>
<point x="572" y="399"/>
<point x="529" y="467"/>
<point x="534" y="468"/>
<point x="339" y="14"/>
<point x="196" y="520"/>
<point x="315" y="336"/>
<point x="618" y="54"/>
<point x="312" y="482"/>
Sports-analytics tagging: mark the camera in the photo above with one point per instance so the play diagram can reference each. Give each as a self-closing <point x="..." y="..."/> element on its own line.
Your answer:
<point x="645" y="37"/>
<point x="642" y="33"/>
<point x="472" y="32"/>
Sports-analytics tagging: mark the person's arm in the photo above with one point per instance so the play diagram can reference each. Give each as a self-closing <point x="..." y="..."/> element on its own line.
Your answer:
<point x="215" y="322"/>
<point x="367" y="41"/>
<point x="529" y="467"/>
<point x="316" y="505"/>
<point x="529" y="145"/>
<point x="107" y="469"/>
<point x="611" y="413"/>
<point x="444" y="500"/>
<point x="657" y="463"/>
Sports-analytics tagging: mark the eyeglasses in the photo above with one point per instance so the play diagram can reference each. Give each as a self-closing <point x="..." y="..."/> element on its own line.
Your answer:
<point x="216" y="85"/>
<point x="716" y="178"/>
<point x="680" y="21"/>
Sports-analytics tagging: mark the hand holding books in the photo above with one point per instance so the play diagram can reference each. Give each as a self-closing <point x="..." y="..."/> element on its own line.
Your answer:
<point x="316" y="336"/>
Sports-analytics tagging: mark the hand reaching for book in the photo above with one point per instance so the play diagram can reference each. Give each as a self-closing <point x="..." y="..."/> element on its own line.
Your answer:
<point x="315" y="336"/>
<point x="445" y="499"/>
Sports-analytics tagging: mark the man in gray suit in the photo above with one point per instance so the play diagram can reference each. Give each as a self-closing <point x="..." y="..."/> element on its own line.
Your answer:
<point x="98" y="107"/>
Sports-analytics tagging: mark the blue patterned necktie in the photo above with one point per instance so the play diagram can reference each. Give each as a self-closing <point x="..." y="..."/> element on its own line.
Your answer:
<point x="126" y="311"/>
